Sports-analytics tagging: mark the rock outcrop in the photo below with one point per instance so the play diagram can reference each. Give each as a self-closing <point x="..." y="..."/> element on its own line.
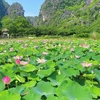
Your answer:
<point x="62" y="12"/>
<point x="16" y="9"/>
<point x="3" y="8"/>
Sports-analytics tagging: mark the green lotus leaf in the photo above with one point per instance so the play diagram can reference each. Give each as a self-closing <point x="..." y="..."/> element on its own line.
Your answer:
<point x="32" y="95"/>
<point x="29" y="84"/>
<point x="28" y="68"/>
<point x="97" y="74"/>
<point x="53" y="79"/>
<point x="20" y="79"/>
<point x="53" y="98"/>
<point x="2" y="85"/>
<point x="50" y="64"/>
<point x="48" y="71"/>
<point x="17" y="89"/>
<point x="91" y="76"/>
<point x="8" y="66"/>
<point x="71" y="72"/>
<point x="73" y="91"/>
<point x="61" y="78"/>
<point x="97" y="58"/>
<point x="5" y="95"/>
<point x="44" y="88"/>
<point x="95" y="91"/>
<point x="45" y="73"/>
<point x="26" y="51"/>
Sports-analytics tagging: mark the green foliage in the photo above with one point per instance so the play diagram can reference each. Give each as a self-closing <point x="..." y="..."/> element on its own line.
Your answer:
<point x="16" y="26"/>
<point x="83" y="35"/>
<point x="60" y="17"/>
<point x="57" y="69"/>
<point x="95" y="35"/>
<point x="71" y="16"/>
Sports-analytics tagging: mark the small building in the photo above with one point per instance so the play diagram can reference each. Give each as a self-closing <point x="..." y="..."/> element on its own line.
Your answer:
<point x="5" y="33"/>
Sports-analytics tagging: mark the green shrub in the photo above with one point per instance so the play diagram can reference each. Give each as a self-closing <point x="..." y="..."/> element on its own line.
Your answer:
<point x="95" y="35"/>
<point x="82" y="35"/>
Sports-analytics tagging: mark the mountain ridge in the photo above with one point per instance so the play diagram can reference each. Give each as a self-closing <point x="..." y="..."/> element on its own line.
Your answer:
<point x="3" y="8"/>
<point x="14" y="9"/>
<point x="73" y="16"/>
<point x="67" y="17"/>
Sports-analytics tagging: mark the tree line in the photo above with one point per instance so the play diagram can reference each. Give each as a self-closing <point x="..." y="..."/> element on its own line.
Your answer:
<point x="20" y="26"/>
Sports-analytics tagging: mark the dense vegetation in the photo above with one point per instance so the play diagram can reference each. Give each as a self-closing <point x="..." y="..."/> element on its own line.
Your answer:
<point x="51" y="69"/>
<point x="79" y="18"/>
<point x="71" y="17"/>
<point x="54" y="69"/>
<point x="20" y="26"/>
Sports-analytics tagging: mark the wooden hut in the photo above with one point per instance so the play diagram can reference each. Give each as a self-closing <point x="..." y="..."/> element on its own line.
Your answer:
<point x="5" y="33"/>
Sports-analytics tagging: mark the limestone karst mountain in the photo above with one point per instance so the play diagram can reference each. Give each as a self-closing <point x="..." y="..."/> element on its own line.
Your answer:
<point x="3" y="8"/>
<point x="16" y="9"/>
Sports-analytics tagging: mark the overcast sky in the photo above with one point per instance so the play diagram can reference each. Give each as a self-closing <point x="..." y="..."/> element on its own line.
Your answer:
<point x="31" y="7"/>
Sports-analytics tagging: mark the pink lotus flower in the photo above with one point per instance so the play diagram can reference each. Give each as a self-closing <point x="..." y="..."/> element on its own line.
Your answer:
<point x="72" y="49"/>
<point x="2" y="43"/>
<point x="41" y="60"/>
<point x="64" y="47"/>
<point x="28" y="59"/>
<point x="25" y="45"/>
<point x="92" y="72"/>
<point x="86" y="46"/>
<point x="17" y="61"/>
<point x="81" y="45"/>
<point x="18" y="57"/>
<point x="5" y="51"/>
<point x="35" y="47"/>
<point x="23" y="63"/>
<point x="11" y="49"/>
<point x="76" y="56"/>
<point x="45" y="53"/>
<point x="6" y="80"/>
<point x="90" y="50"/>
<point x="86" y="64"/>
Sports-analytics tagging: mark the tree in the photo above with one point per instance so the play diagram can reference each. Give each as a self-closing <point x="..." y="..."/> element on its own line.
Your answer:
<point x="16" y="26"/>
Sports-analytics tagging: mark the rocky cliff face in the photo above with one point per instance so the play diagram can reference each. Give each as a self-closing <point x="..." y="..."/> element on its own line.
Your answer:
<point x="55" y="12"/>
<point x="48" y="8"/>
<point x="16" y="9"/>
<point x="32" y="19"/>
<point x="3" y="8"/>
<point x="88" y="2"/>
<point x="13" y="10"/>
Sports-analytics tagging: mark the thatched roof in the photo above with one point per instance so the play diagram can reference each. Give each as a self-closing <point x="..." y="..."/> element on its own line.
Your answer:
<point x="5" y="30"/>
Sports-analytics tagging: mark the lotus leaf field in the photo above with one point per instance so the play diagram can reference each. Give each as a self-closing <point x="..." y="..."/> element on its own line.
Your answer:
<point x="50" y="69"/>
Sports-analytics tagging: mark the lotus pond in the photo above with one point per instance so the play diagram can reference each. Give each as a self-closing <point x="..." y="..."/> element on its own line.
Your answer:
<point x="50" y="69"/>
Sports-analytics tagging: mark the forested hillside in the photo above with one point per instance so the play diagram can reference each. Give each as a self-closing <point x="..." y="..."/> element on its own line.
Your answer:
<point x="79" y="18"/>
<point x="71" y="16"/>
